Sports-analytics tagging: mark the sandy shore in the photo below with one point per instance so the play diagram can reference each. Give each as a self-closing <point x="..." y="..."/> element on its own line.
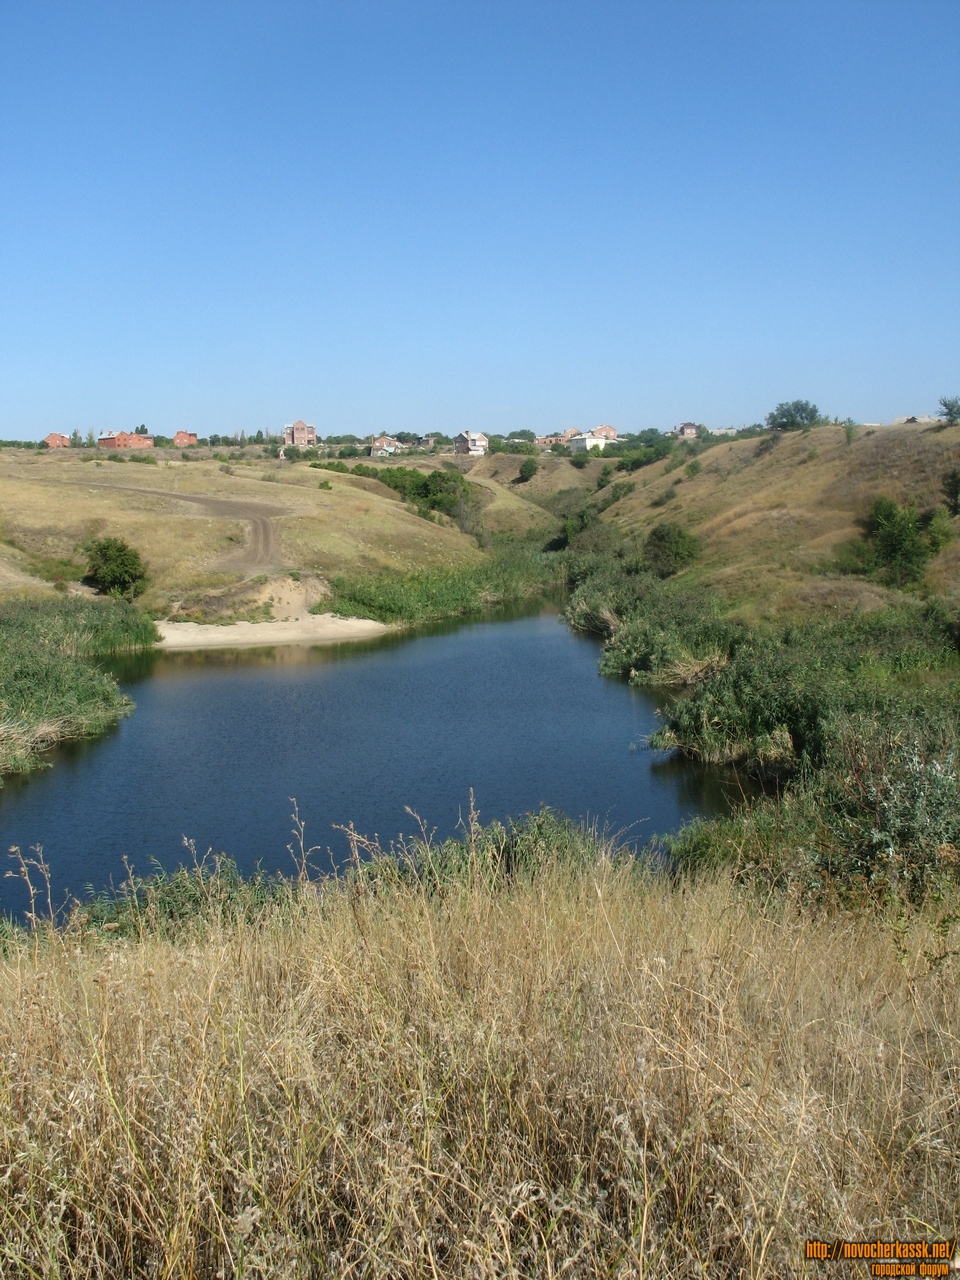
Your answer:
<point x="314" y="628"/>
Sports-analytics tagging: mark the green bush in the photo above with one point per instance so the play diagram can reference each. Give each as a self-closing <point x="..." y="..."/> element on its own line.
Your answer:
<point x="669" y="548"/>
<point x="900" y="551"/>
<point x="693" y="468"/>
<point x="528" y="469"/>
<point x="663" y="498"/>
<point x="115" y="568"/>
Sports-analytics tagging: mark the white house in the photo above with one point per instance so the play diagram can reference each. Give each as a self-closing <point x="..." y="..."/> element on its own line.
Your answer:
<point x="473" y="444"/>
<point x="583" y="443"/>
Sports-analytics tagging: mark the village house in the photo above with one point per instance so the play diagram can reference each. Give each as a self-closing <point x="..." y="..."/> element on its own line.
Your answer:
<point x="606" y="431"/>
<point x="125" y="440"/>
<point x="56" y="441"/>
<point x="588" y="440"/>
<point x="686" y="431"/>
<point x="300" y="433"/>
<point x="565" y="438"/>
<point x="183" y="438"/>
<point x="472" y="444"/>
<point x="383" y="447"/>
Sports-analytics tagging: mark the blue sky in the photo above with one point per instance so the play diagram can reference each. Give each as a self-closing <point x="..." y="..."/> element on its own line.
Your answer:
<point x="410" y="216"/>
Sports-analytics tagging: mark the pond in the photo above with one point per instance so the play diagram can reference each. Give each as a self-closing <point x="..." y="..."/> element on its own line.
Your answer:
<point x="221" y="743"/>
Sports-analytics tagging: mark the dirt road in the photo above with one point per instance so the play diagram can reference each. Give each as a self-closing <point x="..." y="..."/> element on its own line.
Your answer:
<point x="261" y="552"/>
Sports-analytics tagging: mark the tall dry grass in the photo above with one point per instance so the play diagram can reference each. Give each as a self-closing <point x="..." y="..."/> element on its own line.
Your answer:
<point x="574" y="1069"/>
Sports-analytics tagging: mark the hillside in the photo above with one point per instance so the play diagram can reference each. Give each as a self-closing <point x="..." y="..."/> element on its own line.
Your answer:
<point x="219" y="539"/>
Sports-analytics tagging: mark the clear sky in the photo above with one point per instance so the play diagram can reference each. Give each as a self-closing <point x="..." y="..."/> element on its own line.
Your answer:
<point x="416" y="216"/>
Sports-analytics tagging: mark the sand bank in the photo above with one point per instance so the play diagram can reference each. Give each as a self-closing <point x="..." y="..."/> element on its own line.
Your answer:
<point x="314" y="628"/>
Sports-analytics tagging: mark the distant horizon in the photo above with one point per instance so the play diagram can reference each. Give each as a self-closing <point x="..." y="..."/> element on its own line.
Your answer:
<point x="476" y="217"/>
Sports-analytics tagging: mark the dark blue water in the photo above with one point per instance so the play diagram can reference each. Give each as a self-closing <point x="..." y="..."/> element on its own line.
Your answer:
<point x="219" y="743"/>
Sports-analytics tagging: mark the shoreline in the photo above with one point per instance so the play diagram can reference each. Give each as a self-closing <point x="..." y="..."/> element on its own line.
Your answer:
<point x="315" y="628"/>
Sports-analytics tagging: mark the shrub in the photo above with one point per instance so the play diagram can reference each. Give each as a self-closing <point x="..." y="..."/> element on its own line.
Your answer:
<point x="528" y="469"/>
<point x="669" y="548"/>
<point x="115" y="568"/>
<point x="662" y="499"/>
<point x="900" y="551"/>
<point x="950" y="489"/>
<point x="693" y="468"/>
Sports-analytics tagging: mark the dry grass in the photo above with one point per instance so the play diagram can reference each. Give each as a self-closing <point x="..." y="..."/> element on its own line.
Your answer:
<point x="769" y="514"/>
<point x="585" y="1072"/>
<point x="201" y="556"/>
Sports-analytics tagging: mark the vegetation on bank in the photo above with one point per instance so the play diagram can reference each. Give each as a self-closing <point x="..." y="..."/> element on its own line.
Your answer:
<point x="49" y="690"/>
<point x="518" y="1054"/>
<point x="513" y="571"/>
<point x="853" y="721"/>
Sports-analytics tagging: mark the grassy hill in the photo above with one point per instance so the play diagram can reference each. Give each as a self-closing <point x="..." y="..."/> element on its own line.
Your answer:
<point x="214" y="535"/>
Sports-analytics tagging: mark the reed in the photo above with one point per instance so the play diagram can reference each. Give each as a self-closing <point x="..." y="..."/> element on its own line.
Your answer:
<point x="49" y="691"/>
<point x="525" y="1056"/>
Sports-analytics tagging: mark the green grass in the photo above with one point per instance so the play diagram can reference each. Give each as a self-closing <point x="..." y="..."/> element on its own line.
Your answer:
<point x="49" y="691"/>
<point x="513" y="571"/>
<point x="853" y="722"/>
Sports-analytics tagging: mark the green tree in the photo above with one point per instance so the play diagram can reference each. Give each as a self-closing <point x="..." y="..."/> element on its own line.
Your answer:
<point x="899" y="549"/>
<point x="141" y="430"/>
<point x="528" y="469"/>
<point x="115" y="568"/>
<point x="523" y="434"/>
<point x="939" y="530"/>
<point x="949" y="410"/>
<point x="669" y="548"/>
<point x="794" y="415"/>
<point x="950" y="488"/>
<point x="76" y="439"/>
<point x="91" y="439"/>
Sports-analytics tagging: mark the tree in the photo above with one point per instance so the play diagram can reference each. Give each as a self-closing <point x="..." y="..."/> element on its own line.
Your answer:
<point x="76" y="439"/>
<point x="949" y="410"/>
<point x="528" y="469"/>
<point x="951" y="491"/>
<point x="523" y="434"/>
<point x="141" y="430"/>
<point x="91" y="439"/>
<point x="115" y="568"/>
<point x="899" y="549"/>
<point x="794" y="415"/>
<point x="669" y="548"/>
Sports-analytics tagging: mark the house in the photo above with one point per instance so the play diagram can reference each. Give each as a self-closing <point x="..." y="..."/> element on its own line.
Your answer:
<point x="588" y="440"/>
<point x="383" y="447"/>
<point x="299" y="433"/>
<point x="473" y="444"/>
<point x="125" y="440"/>
<point x="183" y="438"/>
<point x="606" y="431"/>
<point x="686" y="431"/>
<point x="56" y="441"/>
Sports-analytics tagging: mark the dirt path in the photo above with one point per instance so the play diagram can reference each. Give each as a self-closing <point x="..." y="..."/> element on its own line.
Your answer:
<point x="263" y="549"/>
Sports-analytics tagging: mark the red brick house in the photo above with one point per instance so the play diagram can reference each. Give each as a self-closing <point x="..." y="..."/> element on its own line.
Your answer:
<point x="182" y="438"/>
<point x="300" y="433"/>
<point x="125" y="440"/>
<point x="56" y="441"/>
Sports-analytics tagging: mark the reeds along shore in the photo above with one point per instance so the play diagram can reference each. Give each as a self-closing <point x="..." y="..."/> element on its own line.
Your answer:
<point x="522" y="1055"/>
<point x="48" y="692"/>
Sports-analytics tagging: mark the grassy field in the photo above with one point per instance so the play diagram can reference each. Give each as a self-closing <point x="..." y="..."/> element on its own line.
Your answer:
<point x="214" y="535"/>
<point x="519" y="1056"/>
<point x="49" y="693"/>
